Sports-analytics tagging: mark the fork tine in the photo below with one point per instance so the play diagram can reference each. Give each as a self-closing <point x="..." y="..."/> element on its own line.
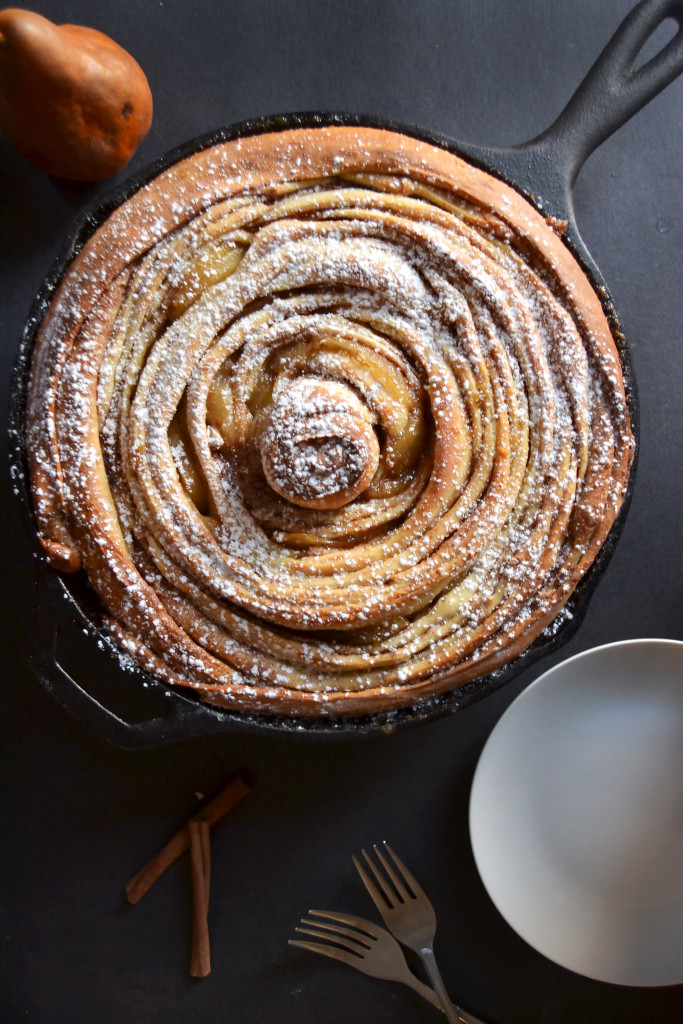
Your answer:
<point x="377" y="897"/>
<point x="332" y="951"/>
<point x="389" y="893"/>
<point x="368" y="928"/>
<point x="352" y="947"/>
<point x="397" y="881"/>
<point x="336" y="929"/>
<point x="418" y="891"/>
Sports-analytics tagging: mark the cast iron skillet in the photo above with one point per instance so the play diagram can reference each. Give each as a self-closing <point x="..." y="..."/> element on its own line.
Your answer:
<point x="544" y="169"/>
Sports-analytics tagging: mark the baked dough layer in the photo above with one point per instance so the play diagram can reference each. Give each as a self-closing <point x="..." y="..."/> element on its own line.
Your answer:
<point x="358" y="302"/>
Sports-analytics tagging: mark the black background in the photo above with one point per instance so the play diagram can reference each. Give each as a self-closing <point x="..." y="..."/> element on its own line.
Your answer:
<point x="80" y="817"/>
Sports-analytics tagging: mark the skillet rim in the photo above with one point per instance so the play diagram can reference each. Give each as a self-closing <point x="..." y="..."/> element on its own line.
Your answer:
<point x="191" y="717"/>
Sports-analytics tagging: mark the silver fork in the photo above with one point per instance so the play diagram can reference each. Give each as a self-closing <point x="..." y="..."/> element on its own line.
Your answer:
<point x="407" y="913"/>
<point x="363" y="945"/>
<point x="368" y="948"/>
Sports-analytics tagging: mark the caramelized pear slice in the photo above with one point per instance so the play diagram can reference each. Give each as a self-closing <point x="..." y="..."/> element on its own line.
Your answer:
<point x="212" y="264"/>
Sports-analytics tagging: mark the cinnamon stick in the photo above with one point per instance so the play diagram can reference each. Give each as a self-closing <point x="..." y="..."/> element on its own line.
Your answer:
<point x="136" y="888"/>
<point x="200" y="854"/>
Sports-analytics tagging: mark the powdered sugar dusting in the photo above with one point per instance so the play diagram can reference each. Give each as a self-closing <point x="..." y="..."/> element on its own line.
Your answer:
<point x="333" y="438"/>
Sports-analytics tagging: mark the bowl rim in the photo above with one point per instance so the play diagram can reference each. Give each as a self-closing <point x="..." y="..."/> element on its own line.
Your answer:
<point x="484" y="761"/>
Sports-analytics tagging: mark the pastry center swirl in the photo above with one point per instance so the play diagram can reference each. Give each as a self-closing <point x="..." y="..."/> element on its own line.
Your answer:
<point x="318" y="446"/>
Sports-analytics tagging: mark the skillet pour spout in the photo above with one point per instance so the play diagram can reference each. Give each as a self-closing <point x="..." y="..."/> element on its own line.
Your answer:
<point x="544" y="168"/>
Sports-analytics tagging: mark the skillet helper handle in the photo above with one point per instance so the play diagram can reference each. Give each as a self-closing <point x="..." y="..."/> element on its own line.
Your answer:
<point x="182" y="719"/>
<point x="614" y="90"/>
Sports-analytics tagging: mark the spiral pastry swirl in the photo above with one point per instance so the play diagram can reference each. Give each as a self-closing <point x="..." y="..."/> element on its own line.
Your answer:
<point x="332" y="420"/>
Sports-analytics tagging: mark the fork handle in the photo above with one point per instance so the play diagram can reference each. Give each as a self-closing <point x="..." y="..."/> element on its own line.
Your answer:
<point x="429" y="960"/>
<point x="423" y="990"/>
<point x="461" y="1016"/>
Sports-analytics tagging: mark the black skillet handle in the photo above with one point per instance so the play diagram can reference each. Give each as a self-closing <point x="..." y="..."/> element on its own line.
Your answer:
<point x="180" y="718"/>
<point x="612" y="92"/>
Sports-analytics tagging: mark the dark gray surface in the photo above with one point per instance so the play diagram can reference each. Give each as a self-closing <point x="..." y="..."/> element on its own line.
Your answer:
<point x="80" y="817"/>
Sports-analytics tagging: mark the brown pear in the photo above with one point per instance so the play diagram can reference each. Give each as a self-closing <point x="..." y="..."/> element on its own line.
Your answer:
<point x="72" y="101"/>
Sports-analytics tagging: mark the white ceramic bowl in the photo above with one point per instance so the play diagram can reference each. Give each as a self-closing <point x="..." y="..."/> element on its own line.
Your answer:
<point x="576" y="813"/>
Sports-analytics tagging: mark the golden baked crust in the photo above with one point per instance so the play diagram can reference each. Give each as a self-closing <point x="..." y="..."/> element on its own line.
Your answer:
<point x="333" y="421"/>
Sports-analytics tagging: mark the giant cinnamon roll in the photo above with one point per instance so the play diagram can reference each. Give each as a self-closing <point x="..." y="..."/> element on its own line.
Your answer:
<point x="332" y="420"/>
